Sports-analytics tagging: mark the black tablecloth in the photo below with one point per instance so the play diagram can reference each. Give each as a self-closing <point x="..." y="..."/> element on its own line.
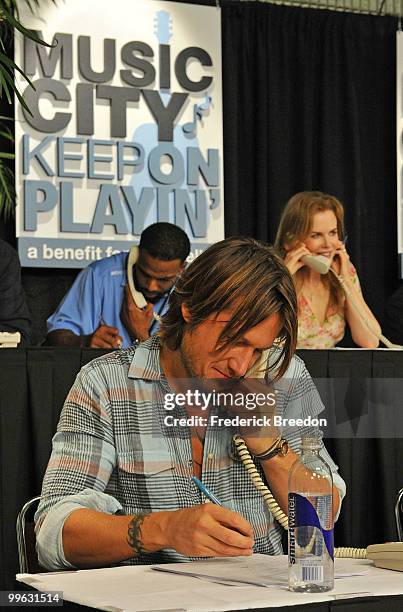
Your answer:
<point x="34" y="383"/>
<point x="388" y="603"/>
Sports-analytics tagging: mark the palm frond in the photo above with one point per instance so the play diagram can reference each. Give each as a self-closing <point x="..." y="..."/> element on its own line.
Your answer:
<point x="11" y="65"/>
<point x="12" y="5"/>
<point x="6" y="80"/>
<point x="24" y="31"/>
<point x="5" y="131"/>
<point x="10" y="21"/>
<point x="7" y="65"/>
<point x="7" y="191"/>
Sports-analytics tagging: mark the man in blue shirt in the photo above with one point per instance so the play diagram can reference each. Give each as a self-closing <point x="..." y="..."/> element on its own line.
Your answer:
<point x="99" y="310"/>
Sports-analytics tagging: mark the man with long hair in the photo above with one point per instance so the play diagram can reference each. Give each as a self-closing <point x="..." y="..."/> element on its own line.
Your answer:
<point x="119" y="488"/>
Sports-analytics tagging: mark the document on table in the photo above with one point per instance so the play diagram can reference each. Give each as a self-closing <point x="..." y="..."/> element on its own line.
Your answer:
<point x="257" y="570"/>
<point x="140" y="588"/>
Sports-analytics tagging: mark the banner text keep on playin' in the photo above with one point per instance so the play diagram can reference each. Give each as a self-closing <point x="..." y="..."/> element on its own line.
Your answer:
<point x="116" y="205"/>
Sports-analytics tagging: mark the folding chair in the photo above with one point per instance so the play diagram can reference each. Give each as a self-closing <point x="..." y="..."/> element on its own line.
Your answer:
<point x="399" y="514"/>
<point x="26" y="540"/>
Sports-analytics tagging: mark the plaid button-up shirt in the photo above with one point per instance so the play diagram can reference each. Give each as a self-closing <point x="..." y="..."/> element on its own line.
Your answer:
<point x="114" y="452"/>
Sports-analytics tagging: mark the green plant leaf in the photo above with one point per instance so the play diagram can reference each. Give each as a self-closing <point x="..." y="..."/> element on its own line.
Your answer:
<point x="7" y="87"/>
<point x="13" y="66"/>
<point x="4" y="77"/>
<point x="5" y="131"/>
<point x="3" y="181"/>
<point x="7" y="135"/>
<point x="5" y="80"/>
<point x="13" y="5"/>
<point x="24" y="31"/>
<point x="7" y="191"/>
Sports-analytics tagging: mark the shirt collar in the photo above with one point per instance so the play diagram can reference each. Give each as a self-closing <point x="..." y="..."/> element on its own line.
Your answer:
<point x="146" y="360"/>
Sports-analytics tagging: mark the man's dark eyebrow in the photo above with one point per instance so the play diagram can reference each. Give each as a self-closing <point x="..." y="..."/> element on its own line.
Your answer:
<point x="159" y="278"/>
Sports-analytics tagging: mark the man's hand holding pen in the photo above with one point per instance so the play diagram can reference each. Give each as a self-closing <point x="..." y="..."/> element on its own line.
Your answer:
<point x="208" y="530"/>
<point x="106" y="337"/>
<point x="205" y="530"/>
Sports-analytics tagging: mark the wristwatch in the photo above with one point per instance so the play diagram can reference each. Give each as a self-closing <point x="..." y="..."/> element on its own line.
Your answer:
<point x="279" y="447"/>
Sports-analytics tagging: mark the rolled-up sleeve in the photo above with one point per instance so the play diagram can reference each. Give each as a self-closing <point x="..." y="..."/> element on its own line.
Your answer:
<point x="49" y="539"/>
<point x="83" y="457"/>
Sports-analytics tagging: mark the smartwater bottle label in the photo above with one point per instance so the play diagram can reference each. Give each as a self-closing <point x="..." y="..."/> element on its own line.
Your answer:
<point x="301" y="513"/>
<point x="311" y="573"/>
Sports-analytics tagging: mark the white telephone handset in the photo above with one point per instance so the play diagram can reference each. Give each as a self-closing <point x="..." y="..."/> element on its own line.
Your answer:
<point x="137" y="296"/>
<point x="319" y="263"/>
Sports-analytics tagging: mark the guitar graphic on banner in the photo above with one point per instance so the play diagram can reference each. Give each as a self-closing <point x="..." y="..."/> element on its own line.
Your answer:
<point x="174" y="201"/>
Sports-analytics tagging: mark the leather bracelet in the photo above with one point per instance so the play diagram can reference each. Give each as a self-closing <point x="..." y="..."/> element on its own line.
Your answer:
<point x="268" y="451"/>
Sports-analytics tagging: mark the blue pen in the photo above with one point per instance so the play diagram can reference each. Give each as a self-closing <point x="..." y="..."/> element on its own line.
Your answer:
<point x="206" y="492"/>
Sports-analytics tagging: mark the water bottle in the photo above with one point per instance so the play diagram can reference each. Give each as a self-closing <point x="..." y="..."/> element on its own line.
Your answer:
<point x="310" y="521"/>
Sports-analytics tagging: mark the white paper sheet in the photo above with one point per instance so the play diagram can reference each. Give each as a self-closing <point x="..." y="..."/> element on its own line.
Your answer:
<point x="258" y="570"/>
<point x="141" y="589"/>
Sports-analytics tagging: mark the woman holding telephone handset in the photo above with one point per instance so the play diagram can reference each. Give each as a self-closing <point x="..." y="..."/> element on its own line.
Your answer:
<point x="312" y="224"/>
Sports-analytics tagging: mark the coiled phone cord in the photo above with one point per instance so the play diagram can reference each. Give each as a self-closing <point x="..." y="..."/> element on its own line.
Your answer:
<point x="245" y="457"/>
<point x="354" y="304"/>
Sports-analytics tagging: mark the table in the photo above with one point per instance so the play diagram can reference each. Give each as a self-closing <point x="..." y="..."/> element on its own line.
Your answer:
<point x="139" y="588"/>
<point x="34" y="383"/>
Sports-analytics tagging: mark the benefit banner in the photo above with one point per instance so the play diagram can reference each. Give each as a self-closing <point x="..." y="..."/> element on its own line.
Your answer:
<point x="125" y="128"/>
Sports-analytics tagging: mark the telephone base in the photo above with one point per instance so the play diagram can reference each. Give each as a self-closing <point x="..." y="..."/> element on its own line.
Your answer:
<point x="9" y="339"/>
<point x="387" y="556"/>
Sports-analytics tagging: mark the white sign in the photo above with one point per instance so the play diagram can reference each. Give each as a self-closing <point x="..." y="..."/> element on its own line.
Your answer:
<point x="126" y="128"/>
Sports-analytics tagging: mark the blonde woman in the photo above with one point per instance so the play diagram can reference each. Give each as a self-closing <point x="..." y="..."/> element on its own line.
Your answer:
<point x="312" y="223"/>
